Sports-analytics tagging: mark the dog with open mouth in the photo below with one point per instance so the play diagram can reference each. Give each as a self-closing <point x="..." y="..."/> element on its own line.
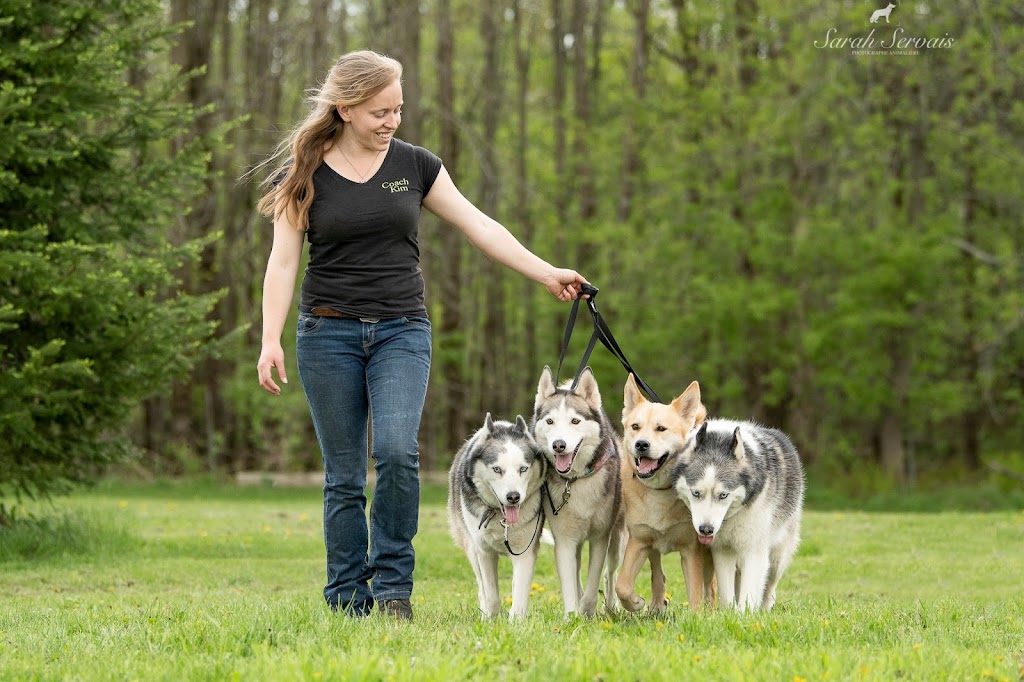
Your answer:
<point x="583" y="496"/>
<point x="495" y="508"/>
<point x="658" y="522"/>
<point x="744" y="485"/>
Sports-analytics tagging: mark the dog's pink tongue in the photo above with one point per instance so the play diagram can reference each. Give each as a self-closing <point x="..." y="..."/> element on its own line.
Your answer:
<point x="511" y="514"/>
<point x="646" y="465"/>
<point x="706" y="539"/>
<point x="563" y="462"/>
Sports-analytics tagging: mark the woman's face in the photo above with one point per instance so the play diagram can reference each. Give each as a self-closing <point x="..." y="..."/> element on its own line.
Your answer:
<point x="373" y="122"/>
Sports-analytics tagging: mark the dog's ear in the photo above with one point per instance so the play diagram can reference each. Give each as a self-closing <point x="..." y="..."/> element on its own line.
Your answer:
<point x="702" y="433"/>
<point x="689" y="406"/>
<point x="631" y="396"/>
<point x="489" y="423"/>
<point x="521" y="425"/>
<point x="737" y="446"/>
<point x="545" y="387"/>
<point x="588" y="390"/>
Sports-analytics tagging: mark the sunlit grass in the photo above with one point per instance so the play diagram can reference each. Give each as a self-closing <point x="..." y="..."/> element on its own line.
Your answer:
<point x="172" y="582"/>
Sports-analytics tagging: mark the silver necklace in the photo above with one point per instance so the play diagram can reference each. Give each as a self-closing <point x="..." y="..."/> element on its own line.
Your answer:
<point x="362" y="176"/>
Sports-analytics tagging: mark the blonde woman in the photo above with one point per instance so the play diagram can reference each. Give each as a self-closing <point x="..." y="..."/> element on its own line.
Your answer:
<point x="354" y="191"/>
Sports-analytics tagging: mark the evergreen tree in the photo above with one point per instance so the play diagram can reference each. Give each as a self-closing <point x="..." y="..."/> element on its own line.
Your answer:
<point x="91" y="179"/>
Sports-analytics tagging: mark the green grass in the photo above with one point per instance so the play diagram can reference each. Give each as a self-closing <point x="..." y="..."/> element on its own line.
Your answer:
<point x="199" y="581"/>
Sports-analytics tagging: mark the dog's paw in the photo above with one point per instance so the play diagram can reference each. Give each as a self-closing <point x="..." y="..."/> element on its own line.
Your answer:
<point x="658" y="607"/>
<point x="633" y="603"/>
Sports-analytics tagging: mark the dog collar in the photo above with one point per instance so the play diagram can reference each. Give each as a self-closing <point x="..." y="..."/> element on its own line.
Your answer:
<point x="593" y="469"/>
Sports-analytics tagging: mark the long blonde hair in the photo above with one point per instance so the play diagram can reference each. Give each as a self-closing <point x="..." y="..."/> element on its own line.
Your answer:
<point x="354" y="78"/>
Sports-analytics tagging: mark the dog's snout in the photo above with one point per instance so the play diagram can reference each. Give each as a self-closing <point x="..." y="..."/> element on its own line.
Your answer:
<point x="558" y="446"/>
<point x="642" y="446"/>
<point x="706" y="529"/>
<point x="513" y="498"/>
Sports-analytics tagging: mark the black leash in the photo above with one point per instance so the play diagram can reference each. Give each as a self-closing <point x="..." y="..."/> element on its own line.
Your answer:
<point x="486" y="520"/>
<point x="601" y="333"/>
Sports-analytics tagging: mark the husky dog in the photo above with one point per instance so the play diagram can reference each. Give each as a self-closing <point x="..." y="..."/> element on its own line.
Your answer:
<point x="884" y="12"/>
<point x="495" y="508"/>
<point x="745" y="489"/>
<point x="583" y="493"/>
<point x="658" y="521"/>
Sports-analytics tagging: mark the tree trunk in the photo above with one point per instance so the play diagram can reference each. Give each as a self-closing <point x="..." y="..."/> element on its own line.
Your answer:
<point x="451" y="342"/>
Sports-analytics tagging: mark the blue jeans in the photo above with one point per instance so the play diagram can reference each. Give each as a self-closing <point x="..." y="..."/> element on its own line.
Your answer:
<point x="350" y="370"/>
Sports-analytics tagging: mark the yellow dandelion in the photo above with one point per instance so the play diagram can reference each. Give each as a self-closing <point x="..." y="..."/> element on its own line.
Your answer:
<point x="696" y="659"/>
<point x="797" y="678"/>
<point x="606" y="625"/>
<point x="508" y="600"/>
<point x="122" y="504"/>
<point x="682" y="638"/>
<point x="552" y="597"/>
<point x="304" y="517"/>
<point x="917" y="647"/>
<point x="534" y="586"/>
<point x="668" y="595"/>
<point x="422" y="600"/>
<point x="317" y="675"/>
<point x="540" y="589"/>
<point x="824" y="622"/>
<point x="659" y="625"/>
<point x="686" y="603"/>
<point x="757" y="627"/>
<point x="266" y="529"/>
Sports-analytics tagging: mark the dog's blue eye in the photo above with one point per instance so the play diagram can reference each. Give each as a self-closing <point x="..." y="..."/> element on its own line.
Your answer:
<point x="523" y="470"/>
<point x="722" y="496"/>
<point x="696" y="494"/>
<point x="496" y="470"/>
<point x="575" y="421"/>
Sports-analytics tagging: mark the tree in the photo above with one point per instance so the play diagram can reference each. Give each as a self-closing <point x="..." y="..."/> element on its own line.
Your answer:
<point x="91" y="320"/>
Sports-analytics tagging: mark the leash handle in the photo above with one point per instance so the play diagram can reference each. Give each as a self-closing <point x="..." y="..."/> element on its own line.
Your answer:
<point x="601" y="333"/>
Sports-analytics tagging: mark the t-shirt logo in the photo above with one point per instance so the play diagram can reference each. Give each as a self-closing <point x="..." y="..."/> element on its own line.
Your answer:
<point x="396" y="185"/>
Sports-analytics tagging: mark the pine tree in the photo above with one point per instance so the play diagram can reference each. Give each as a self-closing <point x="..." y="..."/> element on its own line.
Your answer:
<point x="92" y="178"/>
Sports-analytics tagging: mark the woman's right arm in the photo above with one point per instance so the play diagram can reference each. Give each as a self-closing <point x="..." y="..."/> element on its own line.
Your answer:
<point x="278" y="289"/>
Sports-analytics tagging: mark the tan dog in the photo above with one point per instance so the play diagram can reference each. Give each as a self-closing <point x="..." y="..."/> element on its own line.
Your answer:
<point x="658" y="521"/>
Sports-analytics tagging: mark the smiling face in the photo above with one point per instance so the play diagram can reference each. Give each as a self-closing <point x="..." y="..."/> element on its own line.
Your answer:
<point x="654" y="433"/>
<point x="370" y="125"/>
<point x="568" y="422"/>
<point x="506" y="468"/>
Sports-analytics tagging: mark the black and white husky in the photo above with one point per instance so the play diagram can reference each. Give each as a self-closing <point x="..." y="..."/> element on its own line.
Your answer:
<point x="583" y="498"/>
<point x="745" y="488"/>
<point x="495" y="508"/>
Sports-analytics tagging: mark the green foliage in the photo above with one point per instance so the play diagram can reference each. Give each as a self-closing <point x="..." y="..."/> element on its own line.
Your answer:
<point x="92" y="177"/>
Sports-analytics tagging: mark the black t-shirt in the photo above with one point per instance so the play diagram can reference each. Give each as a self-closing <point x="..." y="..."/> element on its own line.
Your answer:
<point x="364" y="254"/>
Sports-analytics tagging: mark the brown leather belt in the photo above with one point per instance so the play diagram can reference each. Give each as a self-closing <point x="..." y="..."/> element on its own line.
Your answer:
<point x="330" y="312"/>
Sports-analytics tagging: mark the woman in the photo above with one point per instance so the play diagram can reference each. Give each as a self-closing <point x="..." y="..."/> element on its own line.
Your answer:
<point x="363" y="339"/>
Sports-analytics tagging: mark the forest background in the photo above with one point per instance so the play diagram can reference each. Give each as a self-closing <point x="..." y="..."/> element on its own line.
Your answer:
<point x="816" y="216"/>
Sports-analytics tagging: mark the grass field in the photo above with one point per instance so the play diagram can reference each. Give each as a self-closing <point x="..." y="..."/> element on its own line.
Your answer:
<point x="205" y="582"/>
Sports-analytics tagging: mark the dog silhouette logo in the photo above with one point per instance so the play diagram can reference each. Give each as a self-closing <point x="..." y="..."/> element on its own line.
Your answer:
<point x="884" y="12"/>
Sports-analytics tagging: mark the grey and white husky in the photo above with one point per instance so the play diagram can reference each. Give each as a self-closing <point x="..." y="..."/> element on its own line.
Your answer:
<point x="583" y="496"/>
<point x="745" y="488"/>
<point x="495" y="508"/>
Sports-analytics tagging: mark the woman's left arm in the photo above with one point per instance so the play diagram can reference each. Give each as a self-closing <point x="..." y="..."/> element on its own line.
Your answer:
<point x="492" y="238"/>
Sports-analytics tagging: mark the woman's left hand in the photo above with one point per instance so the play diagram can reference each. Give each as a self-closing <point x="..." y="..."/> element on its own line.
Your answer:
<point x="565" y="284"/>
